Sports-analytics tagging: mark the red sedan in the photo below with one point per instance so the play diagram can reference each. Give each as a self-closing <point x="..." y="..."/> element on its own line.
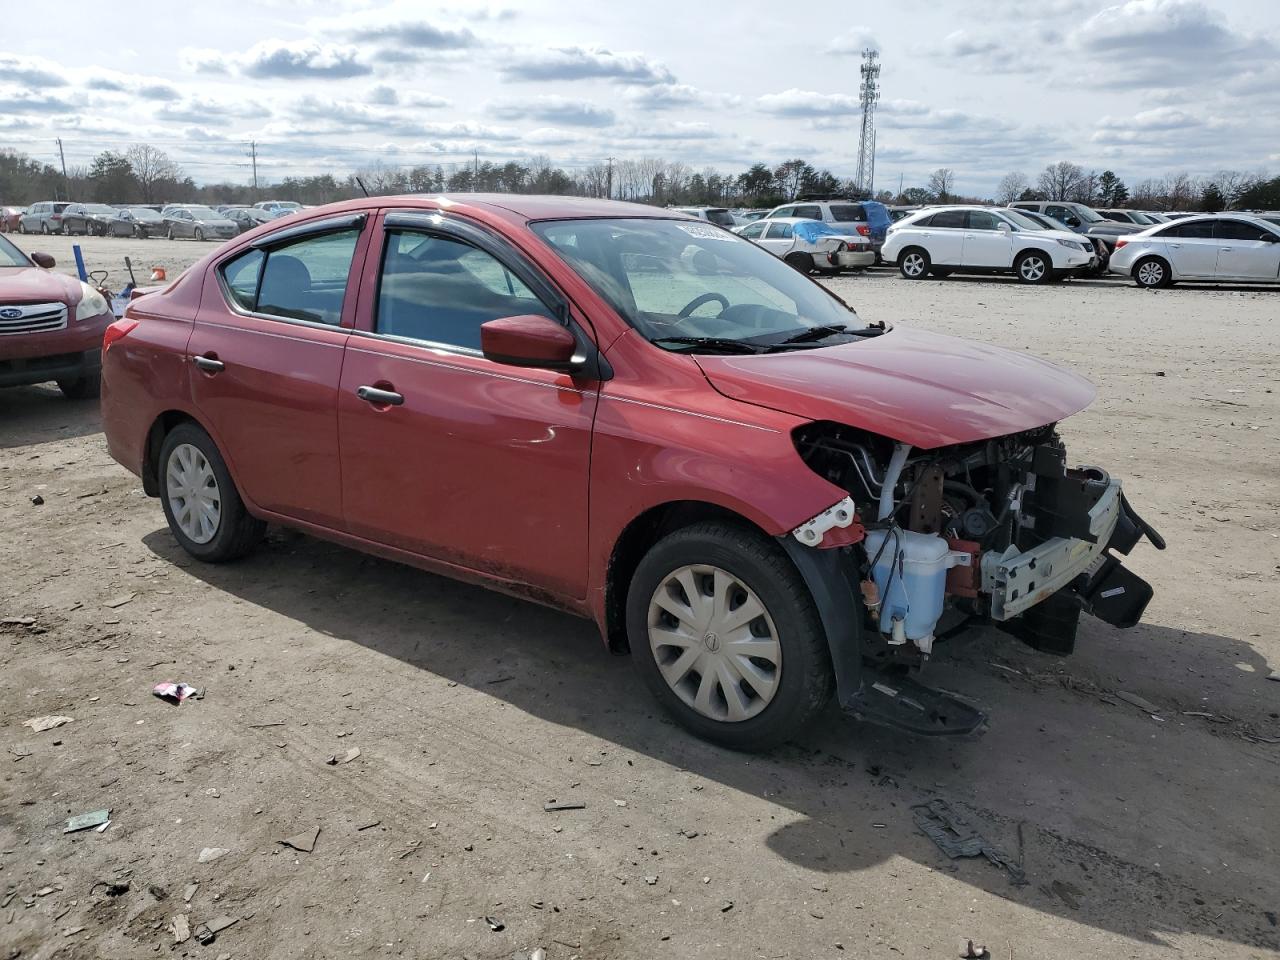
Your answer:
<point x="634" y="416"/>
<point x="51" y="325"/>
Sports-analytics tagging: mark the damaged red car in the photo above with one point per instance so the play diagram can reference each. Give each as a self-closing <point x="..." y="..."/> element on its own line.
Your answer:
<point x="637" y="417"/>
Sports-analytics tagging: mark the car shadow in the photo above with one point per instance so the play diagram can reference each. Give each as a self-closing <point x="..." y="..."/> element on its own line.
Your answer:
<point x="41" y="414"/>
<point x="852" y="784"/>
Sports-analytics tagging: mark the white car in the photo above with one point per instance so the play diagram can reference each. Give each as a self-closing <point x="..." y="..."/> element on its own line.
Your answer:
<point x="939" y="241"/>
<point x="1233" y="247"/>
<point x="810" y="244"/>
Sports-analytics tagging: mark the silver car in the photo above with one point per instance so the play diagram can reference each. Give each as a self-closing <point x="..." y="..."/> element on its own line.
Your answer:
<point x="197" y="223"/>
<point x="1230" y="248"/>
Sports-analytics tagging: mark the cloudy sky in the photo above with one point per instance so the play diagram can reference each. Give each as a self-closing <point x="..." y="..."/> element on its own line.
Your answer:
<point x="1144" y="87"/>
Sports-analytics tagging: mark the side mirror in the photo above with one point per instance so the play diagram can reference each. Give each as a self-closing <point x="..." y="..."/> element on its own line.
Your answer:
<point x="528" y="341"/>
<point x="1003" y="226"/>
<point x="42" y="260"/>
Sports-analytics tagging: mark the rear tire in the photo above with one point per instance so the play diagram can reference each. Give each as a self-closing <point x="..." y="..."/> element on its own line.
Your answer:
<point x="170" y="234"/>
<point x="777" y="688"/>
<point x="82" y="388"/>
<point x="914" y="263"/>
<point x="799" y="261"/>
<point x="1152" y="273"/>
<point x="195" y="483"/>
<point x="1033" y="266"/>
<point x="198" y="235"/>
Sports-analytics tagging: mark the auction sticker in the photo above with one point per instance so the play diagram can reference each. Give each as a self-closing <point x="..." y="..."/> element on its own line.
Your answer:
<point x="700" y="232"/>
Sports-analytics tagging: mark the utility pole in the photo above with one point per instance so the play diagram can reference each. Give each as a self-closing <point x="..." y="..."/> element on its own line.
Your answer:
<point x="608" y="180"/>
<point x="475" y="177"/>
<point x="66" y="182"/>
<point x="899" y="184"/>
<point x="253" y="152"/>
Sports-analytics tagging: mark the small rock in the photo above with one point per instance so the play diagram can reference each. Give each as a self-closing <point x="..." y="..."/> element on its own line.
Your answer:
<point x="495" y="924"/>
<point x="651" y="880"/>
<point x="726" y="906"/>
<point x="37" y="500"/>
<point x="210" y="854"/>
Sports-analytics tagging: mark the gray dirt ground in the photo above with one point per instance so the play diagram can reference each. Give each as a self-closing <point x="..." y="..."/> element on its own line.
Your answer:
<point x="1142" y="836"/>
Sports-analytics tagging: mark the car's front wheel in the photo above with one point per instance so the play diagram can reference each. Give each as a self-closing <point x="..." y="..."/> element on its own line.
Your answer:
<point x="199" y="234"/>
<point x="725" y="634"/>
<point x="200" y="500"/>
<point x="913" y="263"/>
<point x="81" y="388"/>
<point x="1033" y="266"/>
<point x="1152" y="273"/>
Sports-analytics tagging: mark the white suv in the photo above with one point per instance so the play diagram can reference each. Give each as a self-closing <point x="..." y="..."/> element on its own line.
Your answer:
<point x="939" y="241"/>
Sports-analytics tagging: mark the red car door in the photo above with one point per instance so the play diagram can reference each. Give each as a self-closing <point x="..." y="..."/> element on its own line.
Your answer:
<point x="453" y="456"/>
<point x="267" y="349"/>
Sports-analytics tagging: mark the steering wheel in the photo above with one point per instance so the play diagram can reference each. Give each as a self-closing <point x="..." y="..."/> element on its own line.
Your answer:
<point x="696" y="302"/>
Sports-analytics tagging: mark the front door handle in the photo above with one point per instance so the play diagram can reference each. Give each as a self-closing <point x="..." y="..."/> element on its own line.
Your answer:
<point x="374" y="395"/>
<point x="209" y="364"/>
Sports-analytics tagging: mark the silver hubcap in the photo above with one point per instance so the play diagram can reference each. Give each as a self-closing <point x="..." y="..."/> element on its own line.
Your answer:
<point x="1032" y="268"/>
<point x="714" y="643"/>
<point x="913" y="265"/>
<point x="193" y="493"/>
<point x="1150" y="273"/>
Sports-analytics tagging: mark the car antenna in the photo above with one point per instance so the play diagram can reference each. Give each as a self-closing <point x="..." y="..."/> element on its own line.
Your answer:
<point x="363" y="188"/>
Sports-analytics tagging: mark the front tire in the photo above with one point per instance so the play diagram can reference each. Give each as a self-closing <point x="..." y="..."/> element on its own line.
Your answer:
<point x="200" y="500"/>
<point x="913" y="263"/>
<point x="1152" y="273"/>
<point x="725" y="634"/>
<point x="199" y="234"/>
<point x="82" y="388"/>
<point x="170" y="236"/>
<point x="1033" y="266"/>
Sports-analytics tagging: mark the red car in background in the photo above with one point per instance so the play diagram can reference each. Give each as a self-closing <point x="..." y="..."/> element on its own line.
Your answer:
<point x="51" y="325"/>
<point x="10" y="217"/>
<point x="634" y="416"/>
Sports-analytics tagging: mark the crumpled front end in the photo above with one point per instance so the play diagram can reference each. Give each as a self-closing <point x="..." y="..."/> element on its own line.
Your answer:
<point x="999" y="531"/>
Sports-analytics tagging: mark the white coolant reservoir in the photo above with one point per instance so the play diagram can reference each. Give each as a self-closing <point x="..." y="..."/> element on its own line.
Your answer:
<point x="911" y="574"/>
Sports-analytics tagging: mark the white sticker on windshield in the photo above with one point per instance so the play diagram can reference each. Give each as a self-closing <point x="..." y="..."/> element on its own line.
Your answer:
<point x="700" y="232"/>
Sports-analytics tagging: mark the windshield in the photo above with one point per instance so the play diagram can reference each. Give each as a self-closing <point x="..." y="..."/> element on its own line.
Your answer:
<point x="1021" y="220"/>
<point x="695" y="282"/>
<point x="11" y="256"/>
<point x="1087" y="215"/>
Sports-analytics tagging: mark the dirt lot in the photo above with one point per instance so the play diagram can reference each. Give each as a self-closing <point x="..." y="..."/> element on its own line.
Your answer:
<point x="1141" y="835"/>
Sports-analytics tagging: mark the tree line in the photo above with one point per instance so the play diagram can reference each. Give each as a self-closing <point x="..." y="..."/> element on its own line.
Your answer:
<point x="144" y="174"/>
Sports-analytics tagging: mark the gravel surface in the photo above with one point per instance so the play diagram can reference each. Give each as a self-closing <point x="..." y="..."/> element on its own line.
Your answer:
<point x="1141" y="836"/>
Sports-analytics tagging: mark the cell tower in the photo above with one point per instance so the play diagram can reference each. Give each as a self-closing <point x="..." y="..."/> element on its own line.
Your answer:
<point x="869" y="93"/>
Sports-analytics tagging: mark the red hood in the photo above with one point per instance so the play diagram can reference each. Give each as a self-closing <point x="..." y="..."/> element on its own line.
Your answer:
<point x="35" y="285"/>
<point x="920" y="388"/>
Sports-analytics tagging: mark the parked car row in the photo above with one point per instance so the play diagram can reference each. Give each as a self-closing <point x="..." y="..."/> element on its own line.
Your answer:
<point x="142" y="220"/>
<point x="1037" y="248"/>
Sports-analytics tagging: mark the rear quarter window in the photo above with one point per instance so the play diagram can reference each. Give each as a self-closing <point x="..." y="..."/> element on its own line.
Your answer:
<point x="848" y="213"/>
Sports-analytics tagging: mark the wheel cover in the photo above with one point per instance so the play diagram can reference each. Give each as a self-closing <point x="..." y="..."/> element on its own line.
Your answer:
<point x="1032" y="268"/>
<point x="193" y="492"/>
<point x="913" y="264"/>
<point x="1151" y="273"/>
<point x="714" y="643"/>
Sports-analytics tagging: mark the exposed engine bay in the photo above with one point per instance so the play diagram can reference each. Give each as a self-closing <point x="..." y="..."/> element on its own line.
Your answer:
<point x="1000" y="530"/>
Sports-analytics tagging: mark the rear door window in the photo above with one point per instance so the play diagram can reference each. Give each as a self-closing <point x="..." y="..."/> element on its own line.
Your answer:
<point x="1200" y="230"/>
<point x="438" y="290"/>
<point x="809" y="212"/>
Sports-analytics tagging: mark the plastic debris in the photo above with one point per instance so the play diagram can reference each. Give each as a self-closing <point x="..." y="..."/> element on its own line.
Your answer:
<point x="957" y="839"/>
<point x="175" y="693"/>
<point x="41" y="724"/>
<point x="651" y="881"/>
<point x="37" y="501"/>
<point x="553" y="806"/>
<point x="206" y="933"/>
<point x="210" y="854"/>
<point x="495" y="924"/>
<point x="1146" y="706"/>
<point x="86" y="820"/>
<point x="305" y="841"/>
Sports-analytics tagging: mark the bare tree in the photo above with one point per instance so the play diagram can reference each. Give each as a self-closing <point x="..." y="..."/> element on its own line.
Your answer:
<point x="1011" y="187"/>
<point x="1060" y="180"/>
<point x="1179" y="191"/>
<point x="941" y="182"/>
<point x="151" y="167"/>
<point x="1230" y="184"/>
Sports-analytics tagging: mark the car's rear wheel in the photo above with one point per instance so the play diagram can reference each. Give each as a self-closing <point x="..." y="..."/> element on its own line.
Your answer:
<point x="199" y="234"/>
<point x="22" y="227"/>
<point x="1152" y="273"/>
<point x="725" y="634"/>
<point x="913" y="263"/>
<point x="799" y="261"/>
<point x="44" y="228"/>
<point x="169" y="235"/>
<point x="201" y="503"/>
<point x="81" y="388"/>
<point x="1033" y="266"/>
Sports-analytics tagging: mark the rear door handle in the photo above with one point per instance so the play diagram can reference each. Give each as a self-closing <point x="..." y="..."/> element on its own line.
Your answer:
<point x="209" y="364"/>
<point x="374" y="395"/>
